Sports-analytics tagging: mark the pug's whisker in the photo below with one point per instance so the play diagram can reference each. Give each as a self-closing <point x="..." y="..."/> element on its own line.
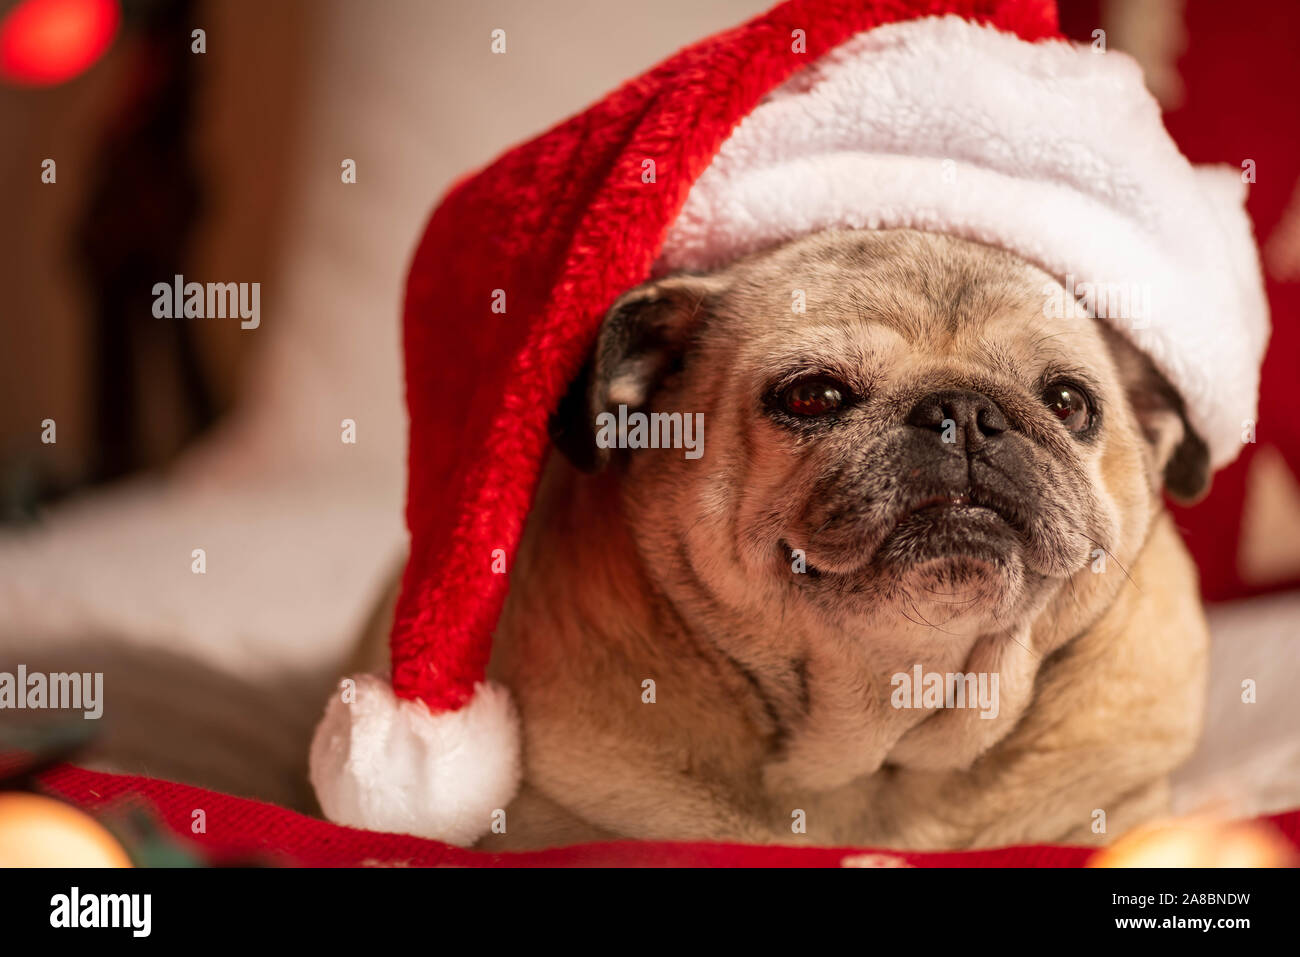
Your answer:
<point x="1074" y="590"/>
<point x="953" y="594"/>
<point x="1006" y="632"/>
<point x="966" y="601"/>
<point x="826" y="524"/>
<point x="908" y="617"/>
<point x="1112" y="557"/>
<point x="912" y="601"/>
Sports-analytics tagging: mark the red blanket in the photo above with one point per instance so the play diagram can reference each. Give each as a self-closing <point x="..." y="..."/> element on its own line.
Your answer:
<point x="237" y="828"/>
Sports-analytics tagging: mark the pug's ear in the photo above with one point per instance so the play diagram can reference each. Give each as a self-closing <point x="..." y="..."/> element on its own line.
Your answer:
<point x="641" y="342"/>
<point x="1175" y="451"/>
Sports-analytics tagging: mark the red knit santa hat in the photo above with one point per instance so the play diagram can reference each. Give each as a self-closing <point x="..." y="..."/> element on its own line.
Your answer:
<point x="818" y="114"/>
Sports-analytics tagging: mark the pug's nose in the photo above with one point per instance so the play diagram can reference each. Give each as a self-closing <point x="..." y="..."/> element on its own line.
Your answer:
<point x="964" y="418"/>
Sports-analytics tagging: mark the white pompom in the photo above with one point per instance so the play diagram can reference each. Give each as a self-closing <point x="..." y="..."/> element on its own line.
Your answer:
<point x="387" y="764"/>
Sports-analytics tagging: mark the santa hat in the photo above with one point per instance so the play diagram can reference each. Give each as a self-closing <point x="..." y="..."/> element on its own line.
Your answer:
<point x="982" y="124"/>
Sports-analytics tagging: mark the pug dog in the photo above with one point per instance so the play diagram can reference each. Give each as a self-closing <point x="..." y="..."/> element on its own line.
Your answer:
<point x="912" y="482"/>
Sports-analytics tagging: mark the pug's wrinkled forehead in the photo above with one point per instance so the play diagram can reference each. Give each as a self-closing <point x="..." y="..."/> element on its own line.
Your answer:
<point x="860" y="301"/>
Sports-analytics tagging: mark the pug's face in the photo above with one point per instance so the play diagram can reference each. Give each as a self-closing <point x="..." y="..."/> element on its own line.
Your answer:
<point x="892" y="426"/>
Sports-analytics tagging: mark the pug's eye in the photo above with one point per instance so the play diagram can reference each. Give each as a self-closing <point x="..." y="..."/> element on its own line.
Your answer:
<point x="815" y="395"/>
<point x="1070" y="404"/>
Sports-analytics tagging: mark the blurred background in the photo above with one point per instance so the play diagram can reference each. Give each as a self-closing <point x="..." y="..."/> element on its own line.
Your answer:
<point x="219" y="155"/>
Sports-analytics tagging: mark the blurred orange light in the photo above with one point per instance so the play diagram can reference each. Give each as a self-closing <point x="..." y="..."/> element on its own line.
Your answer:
<point x="38" y="831"/>
<point x="1199" y="841"/>
<point x="43" y="42"/>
